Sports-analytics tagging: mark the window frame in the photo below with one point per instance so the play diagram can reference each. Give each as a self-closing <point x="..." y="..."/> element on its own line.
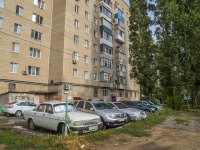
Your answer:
<point x="13" y="67"/>
<point x="17" y="28"/>
<point x="18" y="8"/>
<point x="14" y="47"/>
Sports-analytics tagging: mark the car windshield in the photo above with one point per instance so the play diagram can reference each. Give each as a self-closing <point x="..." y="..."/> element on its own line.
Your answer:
<point x="101" y="106"/>
<point x="120" y="105"/>
<point x="59" y="108"/>
<point x="151" y="103"/>
<point x="145" y="103"/>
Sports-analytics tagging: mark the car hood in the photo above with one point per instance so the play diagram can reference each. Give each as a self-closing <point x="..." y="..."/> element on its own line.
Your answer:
<point x="78" y="116"/>
<point x="130" y="110"/>
<point x="109" y="111"/>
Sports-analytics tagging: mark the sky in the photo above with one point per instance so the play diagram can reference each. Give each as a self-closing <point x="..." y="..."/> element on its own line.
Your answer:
<point x="127" y="1"/>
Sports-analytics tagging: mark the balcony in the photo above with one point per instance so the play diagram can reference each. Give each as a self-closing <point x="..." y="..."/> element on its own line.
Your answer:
<point x="106" y="29"/>
<point x="121" y="50"/>
<point x="106" y="42"/>
<point x="105" y="69"/>
<point x="119" y="38"/>
<point x="106" y="84"/>
<point x="102" y="15"/>
<point x="122" y="74"/>
<point x="106" y="3"/>
<point x="121" y="86"/>
<point x="106" y="55"/>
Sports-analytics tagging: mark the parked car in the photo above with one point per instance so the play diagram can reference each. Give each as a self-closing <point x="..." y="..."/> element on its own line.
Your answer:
<point x="152" y="104"/>
<point x="18" y="108"/>
<point x="187" y="101"/>
<point x="132" y="113"/>
<point x="140" y="105"/>
<point x="110" y="117"/>
<point x="51" y="115"/>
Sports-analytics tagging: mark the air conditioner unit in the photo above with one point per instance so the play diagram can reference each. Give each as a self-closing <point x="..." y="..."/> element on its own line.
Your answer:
<point x="67" y="87"/>
<point x="74" y="61"/>
<point x="25" y="72"/>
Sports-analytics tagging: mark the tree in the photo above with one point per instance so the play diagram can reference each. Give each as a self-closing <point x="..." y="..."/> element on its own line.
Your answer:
<point x="142" y="48"/>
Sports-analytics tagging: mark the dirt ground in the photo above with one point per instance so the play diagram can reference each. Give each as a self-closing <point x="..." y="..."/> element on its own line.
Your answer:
<point x="166" y="136"/>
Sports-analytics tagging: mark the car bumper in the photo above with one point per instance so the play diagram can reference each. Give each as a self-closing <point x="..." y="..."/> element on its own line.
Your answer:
<point x="115" y="123"/>
<point x="86" y="129"/>
<point x="10" y="111"/>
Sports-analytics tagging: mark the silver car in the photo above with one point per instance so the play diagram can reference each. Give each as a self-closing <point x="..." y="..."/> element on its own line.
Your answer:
<point x="110" y="117"/>
<point x="132" y="113"/>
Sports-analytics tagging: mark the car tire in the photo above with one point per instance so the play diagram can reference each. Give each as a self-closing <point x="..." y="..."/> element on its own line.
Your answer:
<point x="61" y="128"/>
<point x="103" y="125"/>
<point x="147" y="111"/>
<point x="31" y="124"/>
<point x="128" y="119"/>
<point x="18" y="113"/>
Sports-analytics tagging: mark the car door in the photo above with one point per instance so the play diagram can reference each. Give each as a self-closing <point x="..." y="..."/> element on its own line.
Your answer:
<point x="49" y="118"/>
<point x="22" y="106"/>
<point x="38" y="115"/>
<point x="88" y="107"/>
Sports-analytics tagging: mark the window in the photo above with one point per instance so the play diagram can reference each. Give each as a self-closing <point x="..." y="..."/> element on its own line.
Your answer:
<point x="106" y="49"/>
<point x="131" y="94"/>
<point x="95" y="62"/>
<point x="33" y="71"/>
<point x="105" y="92"/>
<point x="19" y="10"/>
<point x="2" y="3"/>
<point x="86" y="15"/>
<point x="75" y="56"/>
<point x="95" y="34"/>
<point x="106" y="11"/>
<point x="35" y="53"/>
<point x="126" y="94"/>
<point x="95" y="8"/>
<point x="120" y="93"/>
<point x="76" y="40"/>
<point x="86" y="44"/>
<point x="13" y="67"/>
<point x="106" y="77"/>
<point x="106" y="36"/>
<point x="106" y="63"/>
<point x="86" y="29"/>
<point x="95" y="77"/>
<point x="86" y="75"/>
<point x="121" y="80"/>
<point x="39" y="4"/>
<point x="15" y="47"/>
<point x="87" y="2"/>
<point x="80" y="104"/>
<point x="86" y="59"/>
<point x="1" y="22"/>
<point x="95" y="21"/>
<point x="95" y="48"/>
<point x="36" y="35"/>
<point x="37" y="18"/>
<point x="88" y="106"/>
<point x="76" y="8"/>
<point x="95" y="92"/>
<point x="17" y="28"/>
<point x="75" y="73"/>
<point x="76" y="23"/>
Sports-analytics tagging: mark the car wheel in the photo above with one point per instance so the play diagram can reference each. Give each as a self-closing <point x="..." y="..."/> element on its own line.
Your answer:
<point x="147" y="111"/>
<point x="103" y="125"/>
<point x="31" y="124"/>
<point x="18" y="113"/>
<point x="61" y="128"/>
<point x="128" y="119"/>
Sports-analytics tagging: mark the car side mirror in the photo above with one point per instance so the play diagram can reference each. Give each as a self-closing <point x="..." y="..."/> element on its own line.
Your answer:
<point x="92" y="109"/>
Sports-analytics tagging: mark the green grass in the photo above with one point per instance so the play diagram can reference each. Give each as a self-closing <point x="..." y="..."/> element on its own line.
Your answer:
<point x="181" y="121"/>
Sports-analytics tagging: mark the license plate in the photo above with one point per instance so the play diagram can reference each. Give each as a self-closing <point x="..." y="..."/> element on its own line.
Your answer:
<point x="93" y="128"/>
<point x="120" y="120"/>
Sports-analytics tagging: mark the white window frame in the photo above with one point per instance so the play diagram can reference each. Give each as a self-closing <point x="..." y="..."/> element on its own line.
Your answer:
<point x="95" y="21"/>
<point x="95" y="8"/>
<point x="86" y="44"/>
<point x="15" y="47"/>
<point x="33" y="71"/>
<point x="13" y="67"/>
<point x="1" y="22"/>
<point x="19" y="10"/>
<point x="2" y="3"/>
<point x="36" y="35"/>
<point x="75" y="55"/>
<point x="95" y="77"/>
<point x="95" y="62"/>
<point x="37" y="18"/>
<point x="76" y="8"/>
<point x="17" y="28"/>
<point x="104" y="92"/>
<point x="86" y="75"/>
<point x="35" y="53"/>
<point x="95" y="47"/>
<point x="86" y="29"/>
<point x="40" y="4"/>
<point x="95" y="34"/>
<point x="86" y="59"/>
<point x="120" y="94"/>
<point x="86" y="15"/>
<point x="75" y="73"/>
<point x="87" y="2"/>
<point x="76" y="39"/>
<point x="76" y="23"/>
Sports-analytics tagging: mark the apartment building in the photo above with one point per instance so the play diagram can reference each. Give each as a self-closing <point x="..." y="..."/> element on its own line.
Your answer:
<point x="51" y="49"/>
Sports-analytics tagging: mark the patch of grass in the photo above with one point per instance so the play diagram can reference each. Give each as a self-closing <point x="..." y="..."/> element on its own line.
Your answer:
<point x="123" y="140"/>
<point x="50" y="142"/>
<point x="180" y="121"/>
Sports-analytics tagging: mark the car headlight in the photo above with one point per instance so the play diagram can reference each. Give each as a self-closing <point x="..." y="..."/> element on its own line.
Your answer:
<point x="78" y="123"/>
<point x="153" y="109"/>
<point x="111" y="116"/>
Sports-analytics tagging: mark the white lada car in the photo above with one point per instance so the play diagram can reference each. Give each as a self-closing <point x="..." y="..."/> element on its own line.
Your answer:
<point x="51" y="115"/>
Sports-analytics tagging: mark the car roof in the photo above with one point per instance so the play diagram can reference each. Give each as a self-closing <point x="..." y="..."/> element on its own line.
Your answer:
<point x="53" y="102"/>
